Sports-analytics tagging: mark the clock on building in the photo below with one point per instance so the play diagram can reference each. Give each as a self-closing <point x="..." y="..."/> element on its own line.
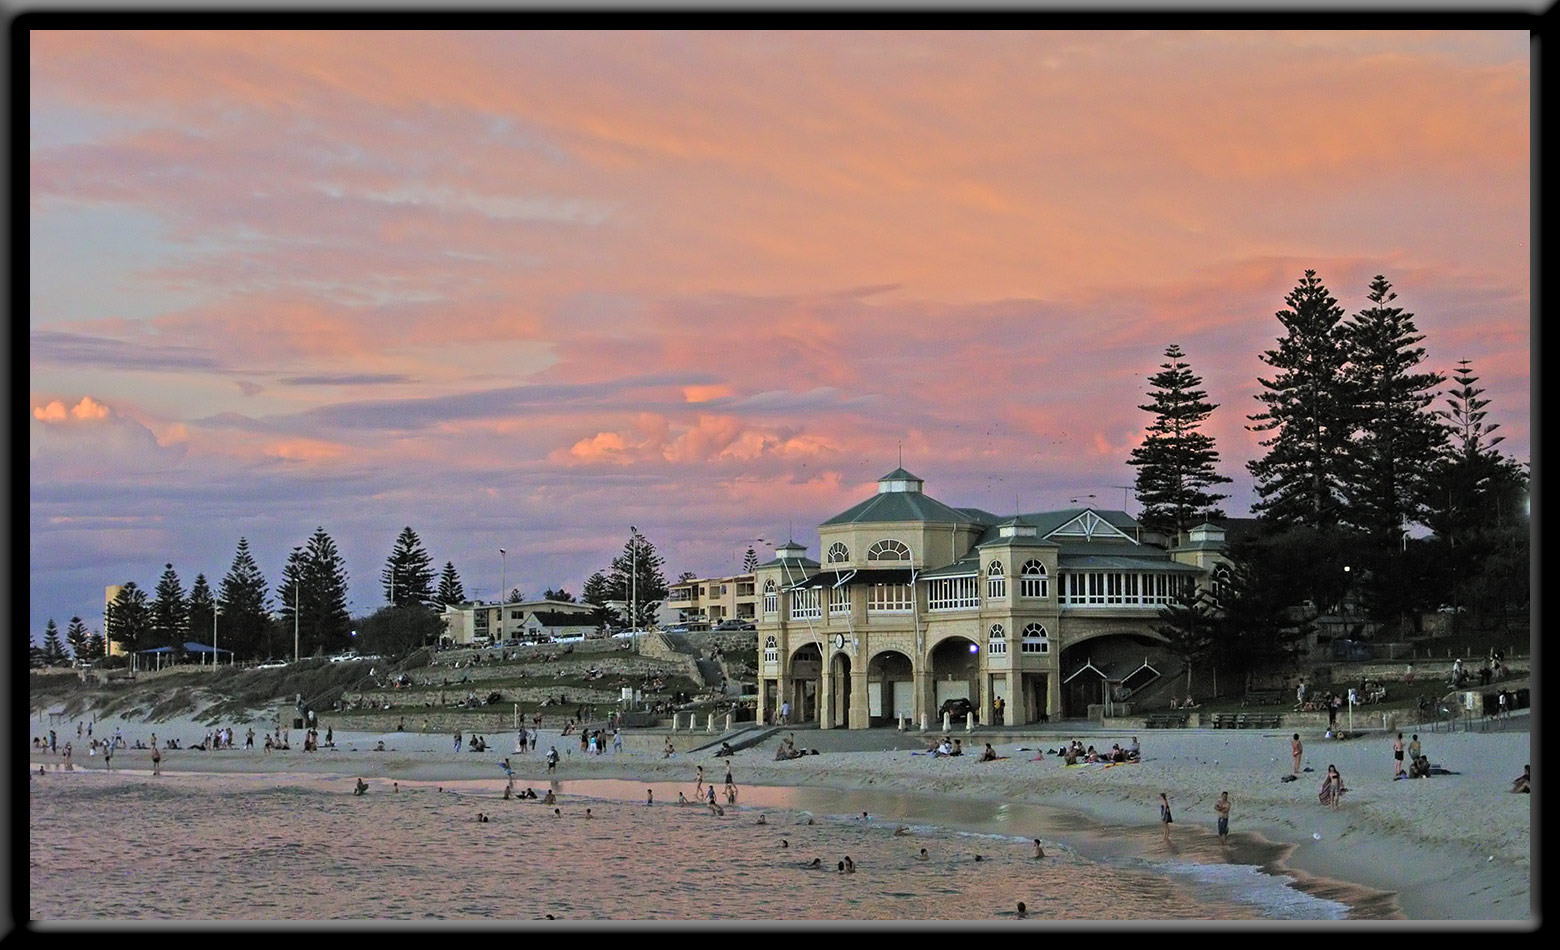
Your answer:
<point x="839" y="641"/>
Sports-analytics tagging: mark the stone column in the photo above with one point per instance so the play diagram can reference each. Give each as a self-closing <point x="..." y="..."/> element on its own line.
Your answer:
<point x="923" y="696"/>
<point x="860" y="708"/>
<point x="826" y="694"/>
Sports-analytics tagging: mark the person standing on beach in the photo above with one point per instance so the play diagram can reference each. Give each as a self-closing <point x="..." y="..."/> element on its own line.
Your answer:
<point x="1222" y="809"/>
<point x="156" y="758"/>
<point x="1295" y="751"/>
<point x="1164" y="816"/>
<point x="457" y="740"/>
<point x="1415" y="749"/>
<point x="1397" y="757"/>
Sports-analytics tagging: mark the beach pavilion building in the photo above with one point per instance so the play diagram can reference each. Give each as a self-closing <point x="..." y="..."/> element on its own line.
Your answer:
<point x="915" y="602"/>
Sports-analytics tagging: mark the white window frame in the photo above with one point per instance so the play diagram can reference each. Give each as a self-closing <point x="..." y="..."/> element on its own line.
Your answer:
<point x="839" y="600"/>
<point x="890" y="599"/>
<point x="771" y="649"/>
<point x="996" y="581"/>
<point x="953" y="593"/>
<point x="771" y="597"/>
<point x="996" y="640"/>
<point x="1034" y="640"/>
<point x="806" y="604"/>
<point x="1033" y="581"/>
<point x="888" y="549"/>
<point x="838" y="553"/>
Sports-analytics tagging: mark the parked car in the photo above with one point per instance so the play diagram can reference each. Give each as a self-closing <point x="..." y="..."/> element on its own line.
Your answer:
<point x="272" y="665"/>
<point x="956" y="708"/>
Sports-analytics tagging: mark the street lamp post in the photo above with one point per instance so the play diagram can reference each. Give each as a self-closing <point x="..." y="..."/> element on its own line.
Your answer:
<point x="633" y="582"/>
<point x="503" y="591"/>
<point x="297" y="591"/>
<point x="213" y="635"/>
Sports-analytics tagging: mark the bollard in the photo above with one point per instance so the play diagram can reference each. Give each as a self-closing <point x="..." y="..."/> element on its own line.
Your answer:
<point x="674" y="721"/>
<point x="710" y="726"/>
<point x="901" y="719"/>
<point x="946" y="721"/>
<point x="925" y="720"/>
<point x="728" y="720"/>
<point x="969" y="722"/>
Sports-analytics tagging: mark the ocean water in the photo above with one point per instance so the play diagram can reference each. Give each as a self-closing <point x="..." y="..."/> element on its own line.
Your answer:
<point x="193" y="846"/>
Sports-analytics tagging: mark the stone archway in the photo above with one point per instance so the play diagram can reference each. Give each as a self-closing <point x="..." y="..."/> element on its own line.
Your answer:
<point x="890" y="688"/>
<point x="801" y="688"/>
<point x="955" y="672"/>
<point x="839" y="693"/>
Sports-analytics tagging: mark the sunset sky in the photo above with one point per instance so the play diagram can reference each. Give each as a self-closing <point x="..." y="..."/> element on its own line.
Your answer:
<point x="524" y="290"/>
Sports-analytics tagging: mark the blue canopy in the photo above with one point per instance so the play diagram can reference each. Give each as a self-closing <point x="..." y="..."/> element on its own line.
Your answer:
<point x="157" y="650"/>
<point x="192" y="647"/>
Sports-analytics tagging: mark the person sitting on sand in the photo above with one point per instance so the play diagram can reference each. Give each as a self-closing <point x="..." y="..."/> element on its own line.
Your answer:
<point x="549" y="798"/>
<point x="380" y="747"/>
<point x="814" y="863"/>
<point x="989" y="755"/>
<point x="850" y="866"/>
<point x="922" y="856"/>
<point x="1134" y="751"/>
<point x="958" y="747"/>
<point x="1523" y="784"/>
<point x="1039" y="851"/>
<point x="1091" y="756"/>
<point x="944" y="749"/>
<point x="715" y="808"/>
<point x="1070" y="755"/>
<point x="529" y="793"/>
<point x="761" y="821"/>
<point x="726" y="750"/>
<point x="362" y="787"/>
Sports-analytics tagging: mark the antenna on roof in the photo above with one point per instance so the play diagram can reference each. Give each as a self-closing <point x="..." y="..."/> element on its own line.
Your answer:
<point x="901" y="455"/>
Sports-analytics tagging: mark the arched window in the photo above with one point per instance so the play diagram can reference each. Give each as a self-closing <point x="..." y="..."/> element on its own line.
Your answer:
<point x="888" y="550"/>
<point x="1034" y="640"/>
<point x="1220" y="583"/>
<point x="771" y="597"/>
<point x="838" y="553"/>
<point x="996" y="581"/>
<point x="996" y="640"/>
<point x="1033" y="581"/>
<point x="771" y="649"/>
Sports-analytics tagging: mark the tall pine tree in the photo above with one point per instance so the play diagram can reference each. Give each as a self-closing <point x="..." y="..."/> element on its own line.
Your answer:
<point x="79" y="638"/>
<point x="243" y="615"/>
<point x="408" y="572"/>
<point x="1309" y="412"/>
<point x="1176" y="464"/>
<point x="450" y="589"/>
<point x="129" y="619"/>
<point x="289" y="604"/>
<point x="170" y="611"/>
<point x="1398" y="436"/>
<point x="54" y="653"/>
<point x="636" y="579"/>
<point x="750" y="561"/>
<point x="325" y="619"/>
<point x="202" y="604"/>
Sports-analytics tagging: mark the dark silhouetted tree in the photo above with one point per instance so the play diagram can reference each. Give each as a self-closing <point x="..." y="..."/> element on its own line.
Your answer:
<point x="450" y="589"/>
<point x="243" y="618"/>
<point x="408" y="572"/>
<point x="1308" y="411"/>
<point x="170" y="612"/>
<point x="1176" y="464"/>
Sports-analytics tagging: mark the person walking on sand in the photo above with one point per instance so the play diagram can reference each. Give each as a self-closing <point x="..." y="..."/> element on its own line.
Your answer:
<point x="1222" y="809"/>
<point x="156" y="758"/>
<point x="1397" y="757"/>
<point x="1295" y="751"/>
<point x="1164" y="816"/>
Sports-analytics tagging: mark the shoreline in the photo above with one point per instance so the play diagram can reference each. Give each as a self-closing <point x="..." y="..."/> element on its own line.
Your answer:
<point x="1449" y="848"/>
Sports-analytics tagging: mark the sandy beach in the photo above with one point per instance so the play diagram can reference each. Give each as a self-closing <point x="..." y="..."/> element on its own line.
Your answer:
<point x="1452" y="847"/>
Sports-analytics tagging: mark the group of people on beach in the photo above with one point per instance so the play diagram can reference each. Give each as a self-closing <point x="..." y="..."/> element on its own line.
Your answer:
<point x="1075" y="753"/>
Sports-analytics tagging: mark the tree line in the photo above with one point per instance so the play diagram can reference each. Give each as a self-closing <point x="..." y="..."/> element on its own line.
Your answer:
<point x="310" y="607"/>
<point x="1374" y="504"/>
